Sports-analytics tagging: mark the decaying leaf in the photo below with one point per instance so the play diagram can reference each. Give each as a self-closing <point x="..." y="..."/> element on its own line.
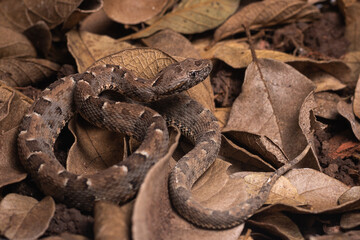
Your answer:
<point x="265" y="13"/>
<point x="87" y="47"/>
<point x="54" y="12"/>
<point x="326" y="105"/>
<point x="261" y="108"/>
<point x="14" y="44"/>
<point x="17" y="72"/>
<point x="191" y="17"/>
<point x="23" y="217"/>
<point x="346" y="110"/>
<point x="356" y="101"/>
<point x="112" y="221"/>
<point x="278" y="224"/>
<point x="14" y="106"/>
<point x="94" y="149"/>
<point x="123" y="11"/>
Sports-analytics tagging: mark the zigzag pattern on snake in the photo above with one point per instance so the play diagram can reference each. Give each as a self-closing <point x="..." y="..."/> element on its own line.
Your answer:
<point x="119" y="183"/>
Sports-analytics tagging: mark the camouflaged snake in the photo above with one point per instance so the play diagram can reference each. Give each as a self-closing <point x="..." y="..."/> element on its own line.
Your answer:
<point x="119" y="183"/>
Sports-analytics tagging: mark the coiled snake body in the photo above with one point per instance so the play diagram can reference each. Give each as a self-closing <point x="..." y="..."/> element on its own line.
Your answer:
<point x="119" y="183"/>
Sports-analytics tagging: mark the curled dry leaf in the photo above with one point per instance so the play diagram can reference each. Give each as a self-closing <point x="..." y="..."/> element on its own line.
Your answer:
<point x="14" y="44"/>
<point x="326" y="105"/>
<point x="278" y="224"/>
<point x="112" y="221"/>
<point x="94" y="149"/>
<point x="346" y="110"/>
<point x="19" y="213"/>
<point x="356" y="101"/>
<point x="17" y="72"/>
<point x="350" y="195"/>
<point x="87" y="47"/>
<point x="13" y="107"/>
<point x="51" y="12"/>
<point x="123" y="11"/>
<point x="320" y="191"/>
<point x="192" y="17"/>
<point x="238" y="55"/>
<point x="265" y="13"/>
<point x="269" y="106"/>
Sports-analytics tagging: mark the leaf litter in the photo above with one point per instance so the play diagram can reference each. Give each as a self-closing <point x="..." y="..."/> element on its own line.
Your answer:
<point x="296" y="94"/>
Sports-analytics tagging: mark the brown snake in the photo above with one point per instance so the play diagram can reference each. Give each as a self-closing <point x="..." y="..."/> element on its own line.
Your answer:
<point x="120" y="182"/>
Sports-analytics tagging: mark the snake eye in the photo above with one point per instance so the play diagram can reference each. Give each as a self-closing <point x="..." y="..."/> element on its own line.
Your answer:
<point x="193" y="74"/>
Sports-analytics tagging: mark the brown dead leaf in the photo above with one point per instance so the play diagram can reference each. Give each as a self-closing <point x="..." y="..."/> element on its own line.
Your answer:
<point x="14" y="44"/>
<point x="40" y="36"/>
<point x="350" y="220"/>
<point x="238" y="55"/>
<point x="191" y="17"/>
<point x="346" y="110"/>
<point x="14" y="105"/>
<point x="326" y="105"/>
<point x="87" y="47"/>
<point x="352" y="59"/>
<point x="222" y="114"/>
<point x="352" y="31"/>
<point x="278" y="224"/>
<point x="94" y="149"/>
<point x="352" y="194"/>
<point x="54" y="12"/>
<point x="320" y="191"/>
<point x="17" y="72"/>
<point x="112" y="221"/>
<point x="271" y="106"/>
<point x="265" y="13"/>
<point x="356" y="101"/>
<point x="23" y="217"/>
<point x="123" y="11"/>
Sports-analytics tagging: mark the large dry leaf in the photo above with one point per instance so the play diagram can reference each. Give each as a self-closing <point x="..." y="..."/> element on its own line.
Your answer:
<point x="352" y="31"/>
<point x="87" y="47"/>
<point x="94" y="149"/>
<point x="13" y="107"/>
<point x="238" y="55"/>
<point x="164" y="40"/>
<point x="14" y="44"/>
<point x="356" y="101"/>
<point x="271" y="106"/>
<point x="346" y="110"/>
<point x="24" y="217"/>
<point x="265" y="13"/>
<point x="278" y="224"/>
<point x="123" y="11"/>
<point x="112" y="221"/>
<point x="19" y="72"/>
<point x="192" y="16"/>
<point x="22" y="14"/>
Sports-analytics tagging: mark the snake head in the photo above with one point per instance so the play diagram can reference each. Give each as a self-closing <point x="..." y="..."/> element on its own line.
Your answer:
<point x="181" y="76"/>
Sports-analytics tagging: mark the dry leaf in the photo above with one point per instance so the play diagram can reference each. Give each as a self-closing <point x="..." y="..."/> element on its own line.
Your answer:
<point x="17" y="72"/>
<point x="350" y="220"/>
<point x="260" y="108"/>
<point x="265" y="13"/>
<point x="346" y="110"/>
<point x="352" y="32"/>
<point x="222" y="114"/>
<point x="40" y="36"/>
<point x="320" y="191"/>
<point x="94" y="149"/>
<point x="325" y="81"/>
<point x="191" y="16"/>
<point x="22" y="14"/>
<point x="14" y="44"/>
<point x="278" y="224"/>
<point x="326" y="105"/>
<point x="352" y="194"/>
<point x="23" y="217"/>
<point x="356" y="101"/>
<point x="352" y="59"/>
<point x="112" y="221"/>
<point x="123" y="11"/>
<point x="14" y="105"/>
<point x="87" y="47"/>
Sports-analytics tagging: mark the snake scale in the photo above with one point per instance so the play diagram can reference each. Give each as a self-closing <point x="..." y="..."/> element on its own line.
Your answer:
<point x="119" y="183"/>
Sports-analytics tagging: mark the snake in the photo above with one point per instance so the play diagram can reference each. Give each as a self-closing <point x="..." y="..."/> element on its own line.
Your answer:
<point x="153" y="105"/>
